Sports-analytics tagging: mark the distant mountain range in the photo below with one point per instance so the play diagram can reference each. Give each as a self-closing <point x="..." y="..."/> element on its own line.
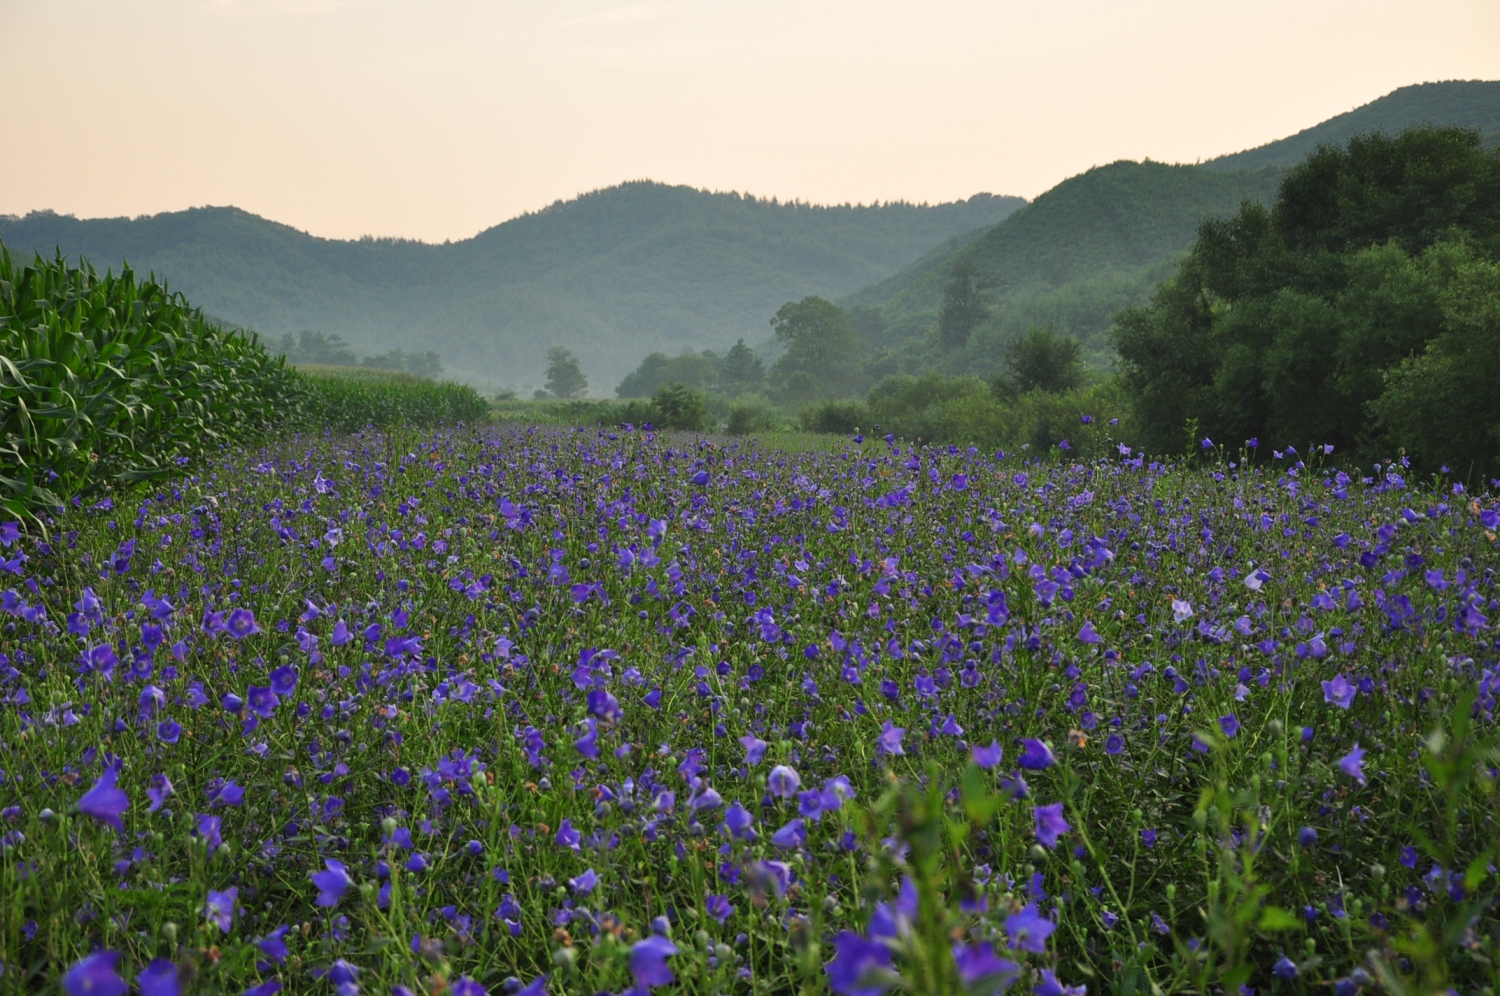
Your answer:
<point x="617" y="273"/>
<point x="612" y="274"/>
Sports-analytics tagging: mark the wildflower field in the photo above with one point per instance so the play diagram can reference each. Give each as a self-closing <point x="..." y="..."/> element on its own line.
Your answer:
<point x="579" y="711"/>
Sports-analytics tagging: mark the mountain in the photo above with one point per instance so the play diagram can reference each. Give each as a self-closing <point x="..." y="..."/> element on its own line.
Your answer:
<point x="1101" y="240"/>
<point x="1469" y="103"/>
<point x="613" y="274"/>
<point x="1113" y="224"/>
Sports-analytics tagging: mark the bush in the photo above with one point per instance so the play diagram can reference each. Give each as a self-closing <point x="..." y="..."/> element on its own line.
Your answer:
<point x="109" y="380"/>
<point x="680" y="407"/>
<point x="837" y="417"/>
<point x="750" y="414"/>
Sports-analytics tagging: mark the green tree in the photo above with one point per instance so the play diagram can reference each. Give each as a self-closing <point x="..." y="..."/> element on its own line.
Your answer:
<point x="1042" y="360"/>
<point x="966" y="304"/>
<point x="822" y="357"/>
<point x="564" y="378"/>
<point x="1287" y="324"/>
<point x="741" y="370"/>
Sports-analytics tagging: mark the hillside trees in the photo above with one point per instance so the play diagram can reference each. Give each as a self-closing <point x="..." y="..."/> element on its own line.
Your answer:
<point x="1290" y="324"/>
<point x="966" y="304"/>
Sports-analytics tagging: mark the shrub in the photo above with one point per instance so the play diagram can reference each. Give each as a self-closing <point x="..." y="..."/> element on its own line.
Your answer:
<point x="680" y="407"/>
<point x="838" y="417"/>
<point x="750" y="414"/>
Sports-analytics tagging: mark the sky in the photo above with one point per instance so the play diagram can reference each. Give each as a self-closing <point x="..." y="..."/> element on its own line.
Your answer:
<point x="440" y="118"/>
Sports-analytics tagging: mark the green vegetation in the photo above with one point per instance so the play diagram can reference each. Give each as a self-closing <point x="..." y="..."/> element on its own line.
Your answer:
<point x="348" y="399"/>
<point x="565" y="380"/>
<point x="1373" y="272"/>
<point x="110" y="380"/>
<point x="611" y="275"/>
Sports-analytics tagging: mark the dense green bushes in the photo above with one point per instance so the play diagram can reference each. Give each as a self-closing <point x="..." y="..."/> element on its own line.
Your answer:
<point x="1357" y="311"/>
<point x="108" y="380"/>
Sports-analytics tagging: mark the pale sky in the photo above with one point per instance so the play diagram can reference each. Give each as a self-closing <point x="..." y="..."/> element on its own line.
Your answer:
<point x="437" y="119"/>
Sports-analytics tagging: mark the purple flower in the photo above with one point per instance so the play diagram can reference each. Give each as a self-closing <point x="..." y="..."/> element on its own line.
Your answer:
<point x="209" y="831"/>
<point x="1050" y="823"/>
<point x="221" y="907"/>
<point x="158" y="790"/>
<point x="1148" y="838"/>
<point x="332" y="884"/>
<point x="588" y="744"/>
<point x="9" y="533"/>
<point x="168" y="732"/>
<point x="229" y="794"/>
<point x="739" y="822"/>
<point x="980" y="968"/>
<point x="1028" y="930"/>
<point x="700" y="478"/>
<point x="269" y="988"/>
<point x="1307" y="837"/>
<point x="784" y="781"/>
<point x="261" y="700"/>
<point x="159" y="979"/>
<point x="764" y="877"/>
<point x="1230" y="725"/>
<point x="755" y="749"/>
<point x="792" y="835"/>
<point x="987" y="757"/>
<point x="567" y="836"/>
<point x="1285" y="969"/>
<point x="1087" y="634"/>
<point x="105" y="802"/>
<point x="1339" y="692"/>
<point x="1035" y="755"/>
<point x="889" y="741"/>
<point x="1352" y="764"/>
<point x="1049" y="986"/>
<point x="858" y="967"/>
<point x="273" y="945"/>
<point x="718" y="907"/>
<point x="585" y="883"/>
<point x="648" y="961"/>
<point x="241" y="624"/>
<point x="537" y="987"/>
<point x="95" y="976"/>
<point x="284" y="680"/>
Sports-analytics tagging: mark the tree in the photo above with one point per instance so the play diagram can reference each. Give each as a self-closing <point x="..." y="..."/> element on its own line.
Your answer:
<point x="1042" y="360"/>
<point x="741" y="370"/>
<point x="1289" y="325"/>
<point x="564" y="378"/>
<point x="822" y="349"/>
<point x="315" y="347"/>
<point x="966" y="304"/>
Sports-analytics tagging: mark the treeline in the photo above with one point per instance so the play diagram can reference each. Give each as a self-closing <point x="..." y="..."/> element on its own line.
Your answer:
<point x="309" y="348"/>
<point x="1361" y="311"/>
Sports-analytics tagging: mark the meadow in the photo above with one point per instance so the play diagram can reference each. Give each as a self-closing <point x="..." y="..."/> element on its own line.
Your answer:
<point x="546" y="709"/>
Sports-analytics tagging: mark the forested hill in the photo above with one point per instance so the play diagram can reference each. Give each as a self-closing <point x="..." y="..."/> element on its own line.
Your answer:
<point x="1113" y="223"/>
<point x="1101" y="240"/>
<point x="612" y="274"/>
<point x="1467" y="103"/>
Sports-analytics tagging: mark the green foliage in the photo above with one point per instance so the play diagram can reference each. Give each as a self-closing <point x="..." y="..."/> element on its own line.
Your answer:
<point x="836" y="417"/>
<point x="750" y="414"/>
<point x="822" y="358"/>
<point x="612" y="274"/>
<point x="695" y="370"/>
<point x="741" y="370"/>
<point x="564" y="378"/>
<point x="110" y="380"/>
<point x="966" y="304"/>
<point x="1442" y="403"/>
<point x="1285" y="323"/>
<point x="677" y="406"/>
<point x="349" y="400"/>
<point x="1041" y="360"/>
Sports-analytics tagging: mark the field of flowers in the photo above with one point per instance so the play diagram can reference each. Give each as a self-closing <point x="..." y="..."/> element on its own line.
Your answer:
<point x="579" y="711"/>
